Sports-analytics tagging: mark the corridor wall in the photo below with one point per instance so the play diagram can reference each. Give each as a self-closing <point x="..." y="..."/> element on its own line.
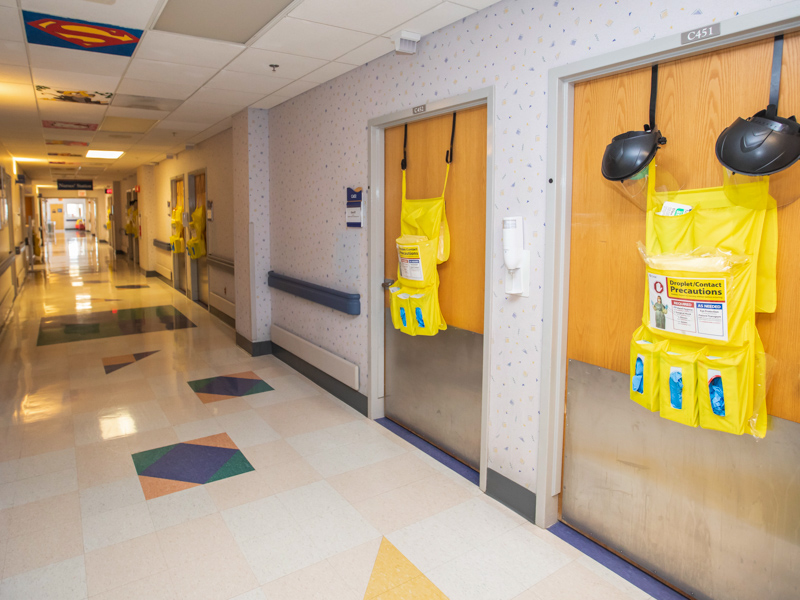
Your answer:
<point x="216" y="156"/>
<point x="318" y="145"/>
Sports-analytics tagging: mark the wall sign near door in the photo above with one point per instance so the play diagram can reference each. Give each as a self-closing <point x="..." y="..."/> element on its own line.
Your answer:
<point x="701" y="33"/>
<point x="418" y="110"/>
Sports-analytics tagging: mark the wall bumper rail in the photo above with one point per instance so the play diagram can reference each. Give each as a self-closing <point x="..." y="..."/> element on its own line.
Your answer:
<point x="162" y="245"/>
<point x="342" y="301"/>
<point x="221" y="263"/>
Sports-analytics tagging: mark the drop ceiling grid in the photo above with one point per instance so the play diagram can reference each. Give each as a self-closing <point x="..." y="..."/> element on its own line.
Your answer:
<point x="315" y="40"/>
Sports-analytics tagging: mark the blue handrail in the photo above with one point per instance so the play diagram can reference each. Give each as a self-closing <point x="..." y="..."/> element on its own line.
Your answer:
<point x="342" y="301"/>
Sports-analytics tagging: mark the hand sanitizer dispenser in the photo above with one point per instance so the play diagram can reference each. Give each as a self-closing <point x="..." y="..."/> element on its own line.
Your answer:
<point x="517" y="259"/>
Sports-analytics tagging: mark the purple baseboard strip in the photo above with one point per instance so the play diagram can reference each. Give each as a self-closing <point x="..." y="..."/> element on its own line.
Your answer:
<point x="611" y="561"/>
<point x="431" y="450"/>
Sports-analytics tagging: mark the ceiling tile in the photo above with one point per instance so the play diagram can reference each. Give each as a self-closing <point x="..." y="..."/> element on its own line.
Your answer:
<point x="13" y="53"/>
<point x="290" y="66"/>
<point x="145" y="102"/>
<point x="126" y="125"/>
<point x="305" y="38"/>
<point x="69" y="111"/>
<point x="369" y="51"/>
<point x="203" y="112"/>
<point x="234" y="98"/>
<point x="138" y="87"/>
<point x="66" y="80"/>
<point x="246" y="82"/>
<point x="125" y="13"/>
<point x="176" y="125"/>
<point x="15" y="74"/>
<point x="186" y="50"/>
<point x="78" y="61"/>
<point x="370" y="16"/>
<point x="296" y="88"/>
<point x="136" y="113"/>
<point x="211" y="131"/>
<point x="328" y="72"/>
<point x="477" y="4"/>
<point x="270" y="101"/>
<point x="10" y="24"/>
<point x="232" y="20"/>
<point x="439" y="16"/>
<point x="15" y="95"/>
<point x="166" y="72"/>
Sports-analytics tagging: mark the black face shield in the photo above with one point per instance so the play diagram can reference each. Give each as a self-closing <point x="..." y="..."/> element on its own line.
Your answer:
<point x="630" y="152"/>
<point x="765" y="143"/>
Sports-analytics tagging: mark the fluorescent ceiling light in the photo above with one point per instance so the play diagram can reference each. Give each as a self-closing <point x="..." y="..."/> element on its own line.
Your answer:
<point x="103" y="154"/>
<point x="23" y="159"/>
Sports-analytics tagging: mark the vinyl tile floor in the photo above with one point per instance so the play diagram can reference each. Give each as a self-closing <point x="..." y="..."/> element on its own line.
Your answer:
<point x="272" y="490"/>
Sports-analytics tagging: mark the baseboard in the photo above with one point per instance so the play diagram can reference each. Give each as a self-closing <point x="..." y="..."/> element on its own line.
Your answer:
<point x="253" y="348"/>
<point x="120" y="252"/>
<point x="164" y="279"/>
<point x="326" y="361"/>
<point x="151" y="273"/>
<point x="102" y="241"/>
<point x="343" y="392"/>
<point x="519" y="499"/>
<point x="228" y="320"/>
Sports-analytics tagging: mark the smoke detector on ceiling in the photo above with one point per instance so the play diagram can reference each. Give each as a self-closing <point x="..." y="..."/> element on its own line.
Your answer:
<point x="405" y="42"/>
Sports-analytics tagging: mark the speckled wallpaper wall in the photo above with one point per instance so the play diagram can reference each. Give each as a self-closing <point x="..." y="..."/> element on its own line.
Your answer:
<point x="318" y="147"/>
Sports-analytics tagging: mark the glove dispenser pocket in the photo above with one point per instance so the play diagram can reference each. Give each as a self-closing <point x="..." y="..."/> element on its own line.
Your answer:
<point x="678" y="387"/>
<point x="723" y="389"/>
<point x="644" y="388"/>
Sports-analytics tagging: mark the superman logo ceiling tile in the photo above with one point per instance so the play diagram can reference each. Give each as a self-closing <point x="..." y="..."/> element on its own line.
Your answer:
<point x="75" y="34"/>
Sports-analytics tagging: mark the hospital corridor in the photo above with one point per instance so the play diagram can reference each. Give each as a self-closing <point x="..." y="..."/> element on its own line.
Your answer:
<point x="379" y="300"/>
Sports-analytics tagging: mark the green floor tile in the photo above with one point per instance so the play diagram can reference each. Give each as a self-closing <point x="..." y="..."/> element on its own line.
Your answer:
<point x="237" y="465"/>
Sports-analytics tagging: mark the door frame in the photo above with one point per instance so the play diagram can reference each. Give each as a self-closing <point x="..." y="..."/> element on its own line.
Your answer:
<point x="751" y="27"/>
<point x="375" y="234"/>
<point x="176" y="257"/>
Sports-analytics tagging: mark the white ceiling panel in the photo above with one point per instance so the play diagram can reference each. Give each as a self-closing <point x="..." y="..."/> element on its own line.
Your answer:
<point x="211" y="131"/>
<point x="234" y="98"/>
<point x="67" y="80"/>
<point x="477" y="4"/>
<point x="15" y="74"/>
<point x="175" y="125"/>
<point x="306" y="38"/>
<point x="328" y="72"/>
<point x="13" y="53"/>
<point x="10" y="24"/>
<point x="439" y="16"/>
<point x="16" y="96"/>
<point x="136" y="113"/>
<point x="203" y="112"/>
<point x="246" y="82"/>
<point x="166" y="72"/>
<point x="369" y="16"/>
<point x="160" y="138"/>
<point x="232" y="20"/>
<point x="173" y="91"/>
<point x="68" y="111"/>
<point x="369" y="51"/>
<point x="186" y="50"/>
<point x="258" y="62"/>
<point x="270" y="101"/>
<point x="125" y="13"/>
<point x="78" y="61"/>
<point x="296" y="88"/>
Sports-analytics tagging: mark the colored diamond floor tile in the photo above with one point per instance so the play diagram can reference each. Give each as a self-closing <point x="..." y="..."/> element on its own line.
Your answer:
<point x="133" y="486"/>
<point x="224" y="387"/>
<point x="395" y="577"/>
<point x="180" y="466"/>
<point x="115" y="363"/>
<point x="111" y="323"/>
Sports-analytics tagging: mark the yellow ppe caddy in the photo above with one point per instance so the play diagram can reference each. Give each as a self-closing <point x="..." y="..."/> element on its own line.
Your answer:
<point x="710" y="263"/>
<point x="176" y="239"/>
<point x="424" y="242"/>
<point x="196" y="246"/>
